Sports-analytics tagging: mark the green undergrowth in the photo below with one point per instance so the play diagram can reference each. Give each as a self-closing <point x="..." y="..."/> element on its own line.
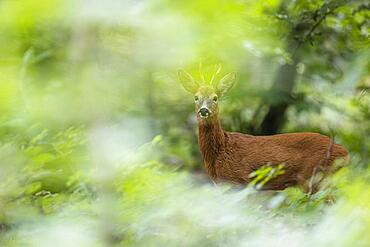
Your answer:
<point x="147" y="203"/>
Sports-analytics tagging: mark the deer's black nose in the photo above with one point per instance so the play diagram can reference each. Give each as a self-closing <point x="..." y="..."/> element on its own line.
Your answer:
<point x="204" y="112"/>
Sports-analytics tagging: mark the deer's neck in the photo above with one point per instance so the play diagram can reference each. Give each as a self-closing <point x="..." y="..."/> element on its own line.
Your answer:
<point x="211" y="140"/>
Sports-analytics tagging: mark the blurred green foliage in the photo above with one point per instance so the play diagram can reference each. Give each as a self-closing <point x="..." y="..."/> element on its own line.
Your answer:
<point x="98" y="141"/>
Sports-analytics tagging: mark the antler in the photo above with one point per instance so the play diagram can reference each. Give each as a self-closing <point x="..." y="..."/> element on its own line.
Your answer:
<point x="218" y="68"/>
<point x="201" y="72"/>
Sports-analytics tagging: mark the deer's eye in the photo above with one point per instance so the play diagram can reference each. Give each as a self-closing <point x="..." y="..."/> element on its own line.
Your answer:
<point x="196" y="98"/>
<point x="215" y="98"/>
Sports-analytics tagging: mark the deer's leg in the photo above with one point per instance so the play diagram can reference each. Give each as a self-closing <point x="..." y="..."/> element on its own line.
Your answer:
<point x="310" y="184"/>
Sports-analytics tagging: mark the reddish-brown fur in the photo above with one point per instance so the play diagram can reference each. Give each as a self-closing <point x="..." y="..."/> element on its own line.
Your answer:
<point x="231" y="156"/>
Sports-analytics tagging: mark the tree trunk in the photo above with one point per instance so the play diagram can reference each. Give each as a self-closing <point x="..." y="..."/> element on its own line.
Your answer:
<point x="282" y="90"/>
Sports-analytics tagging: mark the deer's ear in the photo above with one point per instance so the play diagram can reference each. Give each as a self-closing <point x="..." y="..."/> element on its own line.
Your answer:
<point x="187" y="81"/>
<point x="226" y="83"/>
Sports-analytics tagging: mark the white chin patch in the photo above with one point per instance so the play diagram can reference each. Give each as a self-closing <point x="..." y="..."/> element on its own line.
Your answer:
<point x="206" y="116"/>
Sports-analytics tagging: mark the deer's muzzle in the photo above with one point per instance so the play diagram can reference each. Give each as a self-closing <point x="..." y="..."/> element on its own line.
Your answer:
<point x="204" y="112"/>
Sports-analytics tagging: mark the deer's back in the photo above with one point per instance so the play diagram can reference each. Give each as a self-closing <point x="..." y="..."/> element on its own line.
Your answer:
<point x="299" y="152"/>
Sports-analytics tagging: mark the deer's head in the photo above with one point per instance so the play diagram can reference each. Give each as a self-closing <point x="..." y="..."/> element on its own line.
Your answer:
<point x="206" y="94"/>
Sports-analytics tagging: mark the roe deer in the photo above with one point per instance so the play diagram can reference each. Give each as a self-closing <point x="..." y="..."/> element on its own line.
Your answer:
<point x="232" y="157"/>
